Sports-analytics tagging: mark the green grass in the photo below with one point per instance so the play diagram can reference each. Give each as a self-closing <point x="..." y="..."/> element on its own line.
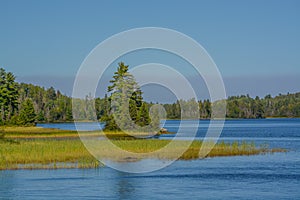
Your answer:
<point x="151" y="146"/>
<point x="36" y="132"/>
<point x="35" y="147"/>
<point x="71" y="153"/>
<point x="39" y="133"/>
<point x="44" y="153"/>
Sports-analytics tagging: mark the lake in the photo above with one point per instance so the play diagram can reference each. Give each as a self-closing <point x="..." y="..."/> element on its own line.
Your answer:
<point x="274" y="176"/>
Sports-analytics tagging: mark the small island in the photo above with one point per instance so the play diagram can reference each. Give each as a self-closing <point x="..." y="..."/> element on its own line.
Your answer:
<point x="24" y="146"/>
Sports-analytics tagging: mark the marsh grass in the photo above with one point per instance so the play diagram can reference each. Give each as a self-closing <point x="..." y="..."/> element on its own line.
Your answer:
<point x="36" y="132"/>
<point x="220" y="149"/>
<point x="45" y="154"/>
<point x="3" y="139"/>
<point x="66" y="153"/>
<point x="40" y="133"/>
<point x="44" y="148"/>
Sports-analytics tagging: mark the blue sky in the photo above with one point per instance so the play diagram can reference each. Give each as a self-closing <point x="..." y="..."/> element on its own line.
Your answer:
<point x="255" y="44"/>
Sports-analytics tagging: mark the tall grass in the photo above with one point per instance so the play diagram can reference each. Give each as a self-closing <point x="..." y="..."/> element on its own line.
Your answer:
<point x="66" y="153"/>
<point x="151" y="146"/>
<point x="44" y="153"/>
<point x="39" y="132"/>
<point x="35" y="147"/>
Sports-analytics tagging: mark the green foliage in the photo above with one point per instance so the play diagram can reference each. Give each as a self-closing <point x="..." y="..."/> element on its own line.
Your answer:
<point x="243" y="107"/>
<point x="110" y="123"/>
<point x="143" y="118"/>
<point x="173" y="110"/>
<point x="279" y="106"/>
<point x="52" y="106"/>
<point x="8" y="96"/>
<point x="133" y="111"/>
<point x="27" y="114"/>
<point x="125" y="103"/>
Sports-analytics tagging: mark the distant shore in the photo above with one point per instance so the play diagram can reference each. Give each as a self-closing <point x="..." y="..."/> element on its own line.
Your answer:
<point x="90" y="121"/>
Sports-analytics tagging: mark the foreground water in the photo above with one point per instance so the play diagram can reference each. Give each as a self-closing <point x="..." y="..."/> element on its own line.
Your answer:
<point x="275" y="176"/>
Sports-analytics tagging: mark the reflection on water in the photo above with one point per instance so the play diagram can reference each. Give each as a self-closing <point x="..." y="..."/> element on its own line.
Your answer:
<point x="263" y="177"/>
<point x="124" y="188"/>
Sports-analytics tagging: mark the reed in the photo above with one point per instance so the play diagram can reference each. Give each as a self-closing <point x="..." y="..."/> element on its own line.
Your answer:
<point x="40" y="133"/>
<point x="71" y="153"/>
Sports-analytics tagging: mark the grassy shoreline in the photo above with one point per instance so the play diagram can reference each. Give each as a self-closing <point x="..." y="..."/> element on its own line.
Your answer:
<point x="39" y="148"/>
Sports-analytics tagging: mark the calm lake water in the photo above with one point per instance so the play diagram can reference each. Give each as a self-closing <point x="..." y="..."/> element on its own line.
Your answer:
<point x="275" y="176"/>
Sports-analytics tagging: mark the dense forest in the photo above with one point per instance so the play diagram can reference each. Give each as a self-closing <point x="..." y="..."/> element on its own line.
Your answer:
<point x="27" y="104"/>
<point x="245" y="107"/>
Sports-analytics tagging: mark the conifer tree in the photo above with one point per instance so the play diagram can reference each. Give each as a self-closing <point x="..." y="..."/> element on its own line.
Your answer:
<point x="8" y="96"/>
<point x="126" y="102"/>
<point x="27" y="114"/>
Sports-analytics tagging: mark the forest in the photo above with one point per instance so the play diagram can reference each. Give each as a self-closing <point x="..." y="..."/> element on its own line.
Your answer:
<point x="26" y="104"/>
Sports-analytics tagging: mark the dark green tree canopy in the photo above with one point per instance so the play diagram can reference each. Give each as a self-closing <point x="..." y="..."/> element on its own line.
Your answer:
<point x="27" y="114"/>
<point x="51" y="105"/>
<point x="127" y="110"/>
<point x="8" y="95"/>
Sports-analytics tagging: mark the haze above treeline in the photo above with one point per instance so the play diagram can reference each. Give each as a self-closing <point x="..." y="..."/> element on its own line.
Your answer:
<point x="24" y="104"/>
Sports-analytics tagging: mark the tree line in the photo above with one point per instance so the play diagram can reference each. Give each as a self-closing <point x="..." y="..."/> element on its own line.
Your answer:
<point x="244" y="107"/>
<point x="27" y="104"/>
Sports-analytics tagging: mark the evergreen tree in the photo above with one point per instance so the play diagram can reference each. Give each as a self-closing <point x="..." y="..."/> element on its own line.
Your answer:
<point x="126" y="102"/>
<point x="40" y="117"/>
<point x="8" y="96"/>
<point x="143" y="118"/>
<point x="27" y="114"/>
<point x="126" y="97"/>
<point x="133" y="110"/>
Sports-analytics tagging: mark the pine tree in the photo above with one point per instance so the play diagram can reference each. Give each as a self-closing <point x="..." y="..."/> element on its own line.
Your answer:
<point x="133" y="110"/>
<point x="143" y="118"/>
<point x="8" y="96"/>
<point x="27" y="114"/>
<point x="40" y="117"/>
<point x="126" y="102"/>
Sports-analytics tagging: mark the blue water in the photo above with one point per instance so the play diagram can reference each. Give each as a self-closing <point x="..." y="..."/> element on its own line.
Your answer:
<point x="81" y="126"/>
<point x="275" y="176"/>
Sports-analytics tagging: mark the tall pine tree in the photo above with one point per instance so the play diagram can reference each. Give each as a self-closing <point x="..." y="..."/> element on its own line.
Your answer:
<point x="27" y="114"/>
<point x="126" y="102"/>
<point x="8" y="96"/>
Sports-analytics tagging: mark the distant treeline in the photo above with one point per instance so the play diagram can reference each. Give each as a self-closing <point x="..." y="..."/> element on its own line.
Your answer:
<point x="26" y="104"/>
<point x="245" y="107"/>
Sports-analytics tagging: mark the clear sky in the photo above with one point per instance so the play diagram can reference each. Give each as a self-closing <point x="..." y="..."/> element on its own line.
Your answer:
<point x="255" y="44"/>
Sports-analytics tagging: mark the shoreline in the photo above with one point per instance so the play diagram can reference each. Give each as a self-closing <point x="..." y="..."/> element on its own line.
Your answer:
<point x="204" y="119"/>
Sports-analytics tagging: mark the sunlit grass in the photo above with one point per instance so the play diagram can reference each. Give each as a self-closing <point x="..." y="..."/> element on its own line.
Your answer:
<point x="154" y="149"/>
<point x="39" y="132"/>
<point x="71" y="153"/>
<point x="36" y="132"/>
